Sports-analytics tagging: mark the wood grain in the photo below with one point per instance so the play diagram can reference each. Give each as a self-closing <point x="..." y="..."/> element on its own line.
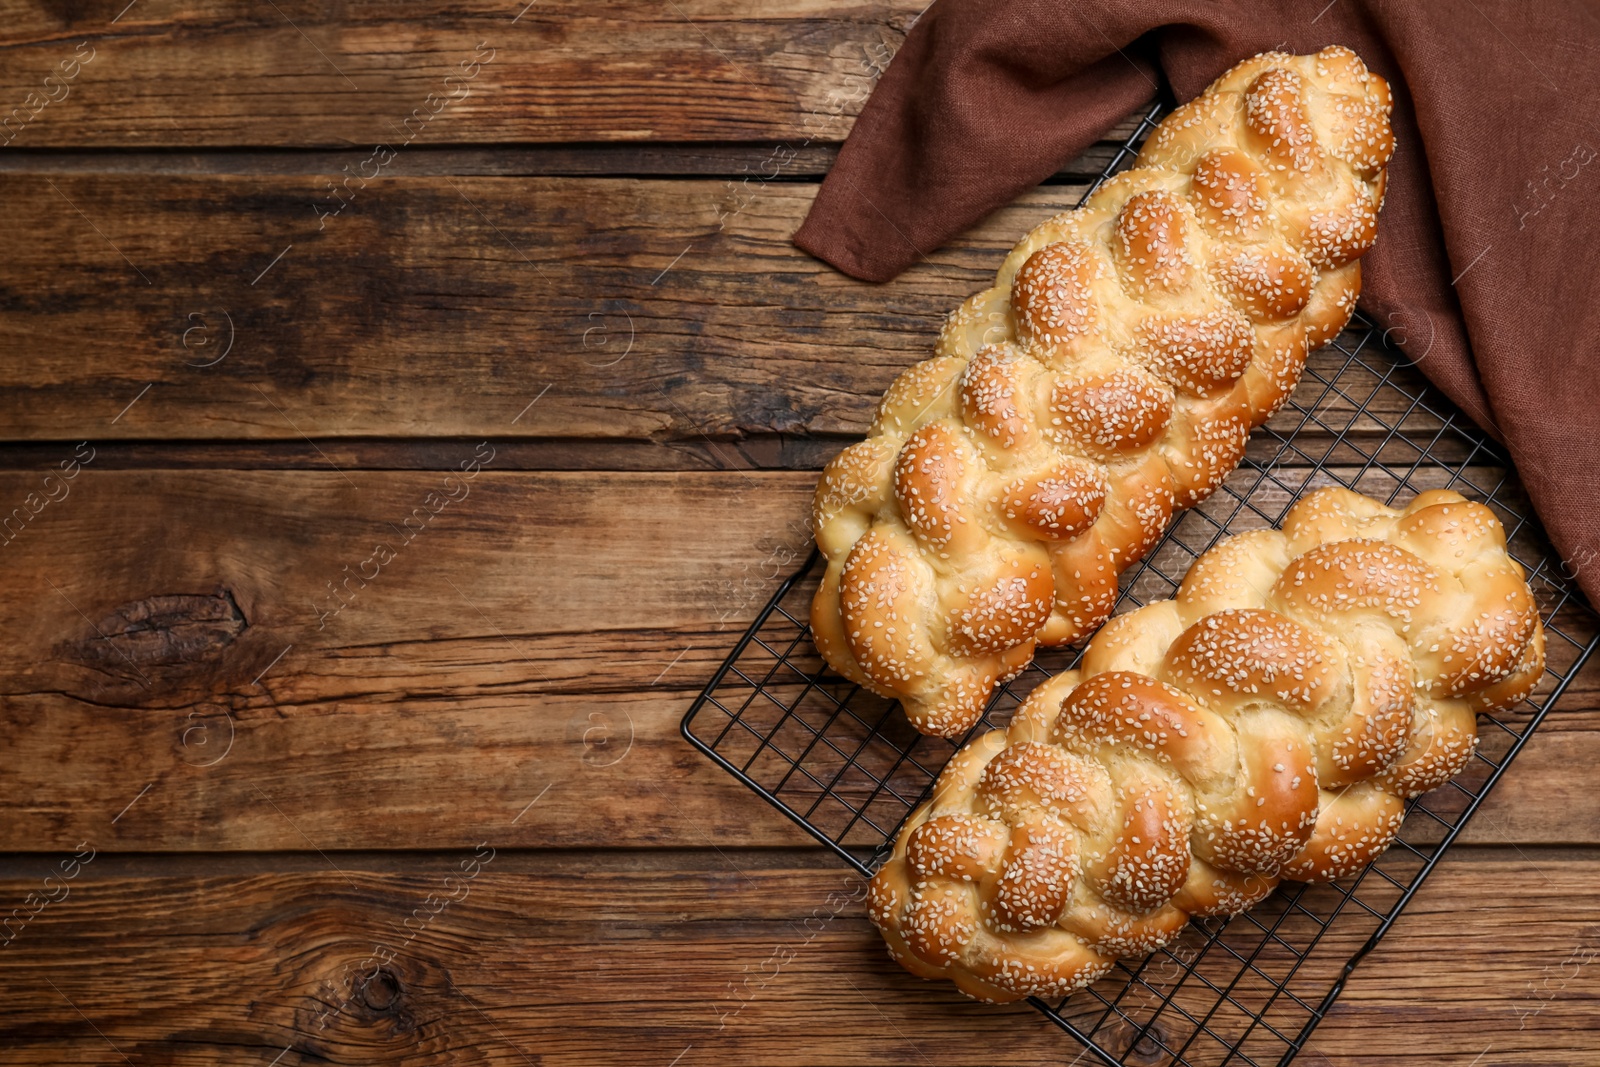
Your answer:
<point x="513" y="643"/>
<point x="624" y="958"/>
<point x="304" y="73"/>
<point x="445" y="307"/>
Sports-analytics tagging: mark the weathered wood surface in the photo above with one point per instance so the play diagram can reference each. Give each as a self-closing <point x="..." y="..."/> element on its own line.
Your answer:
<point x="372" y="326"/>
<point x="580" y="255"/>
<point x="513" y="635"/>
<point x="628" y="958"/>
<point x="302" y="73"/>
<point x="443" y="307"/>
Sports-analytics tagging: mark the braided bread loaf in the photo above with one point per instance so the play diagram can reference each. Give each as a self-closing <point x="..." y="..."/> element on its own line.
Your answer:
<point x="1112" y="374"/>
<point x="1267" y="724"/>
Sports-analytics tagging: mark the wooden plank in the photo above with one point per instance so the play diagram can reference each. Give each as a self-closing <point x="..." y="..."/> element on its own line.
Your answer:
<point x="512" y="643"/>
<point x="444" y="307"/>
<point x="304" y="73"/>
<point x="227" y="595"/>
<point x="740" y="957"/>
<point x="639" y="333"/>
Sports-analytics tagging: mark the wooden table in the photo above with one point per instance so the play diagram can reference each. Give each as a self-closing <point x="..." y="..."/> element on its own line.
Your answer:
<point x="448" y="388"/>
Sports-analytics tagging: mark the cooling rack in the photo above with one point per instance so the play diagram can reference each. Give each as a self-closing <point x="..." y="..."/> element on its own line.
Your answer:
<point x="1249" y="990"/>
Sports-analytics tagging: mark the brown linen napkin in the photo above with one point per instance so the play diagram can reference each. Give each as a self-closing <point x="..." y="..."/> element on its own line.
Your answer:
<point x="1488" y="250"/>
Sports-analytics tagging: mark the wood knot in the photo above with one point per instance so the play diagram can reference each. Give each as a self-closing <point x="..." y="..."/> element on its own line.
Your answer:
<point x="370" y="996"/>
<point x="146" y="647"/>
<point x="381" y="992"/>
<point x="1137" y="1046"/>
<point x="352" y="987"/>
<point x="164" y="649"/>
<point x="162" y="631"/>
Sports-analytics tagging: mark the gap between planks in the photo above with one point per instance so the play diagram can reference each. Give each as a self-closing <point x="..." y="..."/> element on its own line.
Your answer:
<point x="646" y="159"/>
<point x="753" y="452"/>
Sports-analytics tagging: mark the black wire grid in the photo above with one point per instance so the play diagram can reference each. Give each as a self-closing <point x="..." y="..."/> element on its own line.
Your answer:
<point x="849" y="768"/>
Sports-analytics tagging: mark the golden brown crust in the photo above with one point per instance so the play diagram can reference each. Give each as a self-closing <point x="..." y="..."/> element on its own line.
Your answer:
<point x="1111" y="376"/>
<point x="1267" y="724"/>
